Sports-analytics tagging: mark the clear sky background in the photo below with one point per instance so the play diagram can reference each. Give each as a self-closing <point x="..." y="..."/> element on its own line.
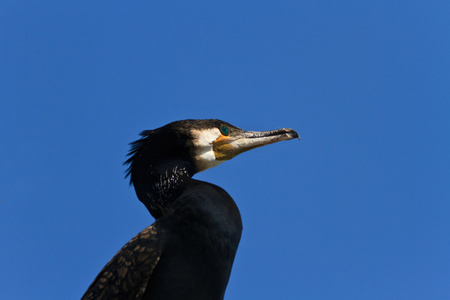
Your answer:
<point x="358" y="209"/>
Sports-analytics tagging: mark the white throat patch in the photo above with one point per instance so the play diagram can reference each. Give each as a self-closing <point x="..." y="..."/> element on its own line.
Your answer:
<point x="204" y="153"/>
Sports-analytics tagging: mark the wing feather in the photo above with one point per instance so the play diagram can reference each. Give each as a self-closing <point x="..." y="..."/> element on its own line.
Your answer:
<point x="127" y="274"/>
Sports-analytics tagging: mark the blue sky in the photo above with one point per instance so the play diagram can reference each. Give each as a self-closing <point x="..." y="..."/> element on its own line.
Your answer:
<point x="358" y="209"/>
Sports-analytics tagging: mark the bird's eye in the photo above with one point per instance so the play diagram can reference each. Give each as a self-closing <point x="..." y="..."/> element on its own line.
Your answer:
<point x="224" y="129"/>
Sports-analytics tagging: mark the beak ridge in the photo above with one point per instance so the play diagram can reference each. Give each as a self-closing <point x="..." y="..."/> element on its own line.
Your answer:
<point x="229" y="147"/>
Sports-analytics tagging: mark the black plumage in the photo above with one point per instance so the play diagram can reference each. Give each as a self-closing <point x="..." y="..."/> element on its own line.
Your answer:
<point x="189" y="251"/>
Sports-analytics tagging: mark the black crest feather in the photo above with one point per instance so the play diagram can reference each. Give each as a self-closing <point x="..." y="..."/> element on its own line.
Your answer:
<point x="136" y="148"/>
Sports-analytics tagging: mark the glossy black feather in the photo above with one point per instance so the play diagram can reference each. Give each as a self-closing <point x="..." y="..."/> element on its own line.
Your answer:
<point x="186" y="254"/>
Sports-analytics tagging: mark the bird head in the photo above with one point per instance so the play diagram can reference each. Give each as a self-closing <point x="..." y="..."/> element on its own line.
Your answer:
<point x="201" y="144"/>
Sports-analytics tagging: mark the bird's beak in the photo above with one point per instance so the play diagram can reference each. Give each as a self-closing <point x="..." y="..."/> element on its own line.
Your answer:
<point x="227" y="147"/>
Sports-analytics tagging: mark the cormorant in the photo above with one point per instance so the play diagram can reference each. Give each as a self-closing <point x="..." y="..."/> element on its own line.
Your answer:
<point x="189" y="251"/>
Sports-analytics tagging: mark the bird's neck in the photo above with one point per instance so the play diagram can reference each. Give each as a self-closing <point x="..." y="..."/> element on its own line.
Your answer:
<point x="164" y="183"/>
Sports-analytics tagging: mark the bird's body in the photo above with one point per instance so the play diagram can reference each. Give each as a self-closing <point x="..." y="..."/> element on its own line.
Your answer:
<point x="189" y="251"/>
<point x="185" y="242"/>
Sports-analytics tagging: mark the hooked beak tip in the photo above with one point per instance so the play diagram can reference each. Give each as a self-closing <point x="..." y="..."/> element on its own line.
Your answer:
<point x="294" y="134"/>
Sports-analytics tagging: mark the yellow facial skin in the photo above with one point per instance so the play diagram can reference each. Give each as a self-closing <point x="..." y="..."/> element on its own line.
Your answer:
<point x="223" y="149"/>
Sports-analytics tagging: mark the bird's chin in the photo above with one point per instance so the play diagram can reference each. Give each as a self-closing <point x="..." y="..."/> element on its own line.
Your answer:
<point x="205" y="162"/>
